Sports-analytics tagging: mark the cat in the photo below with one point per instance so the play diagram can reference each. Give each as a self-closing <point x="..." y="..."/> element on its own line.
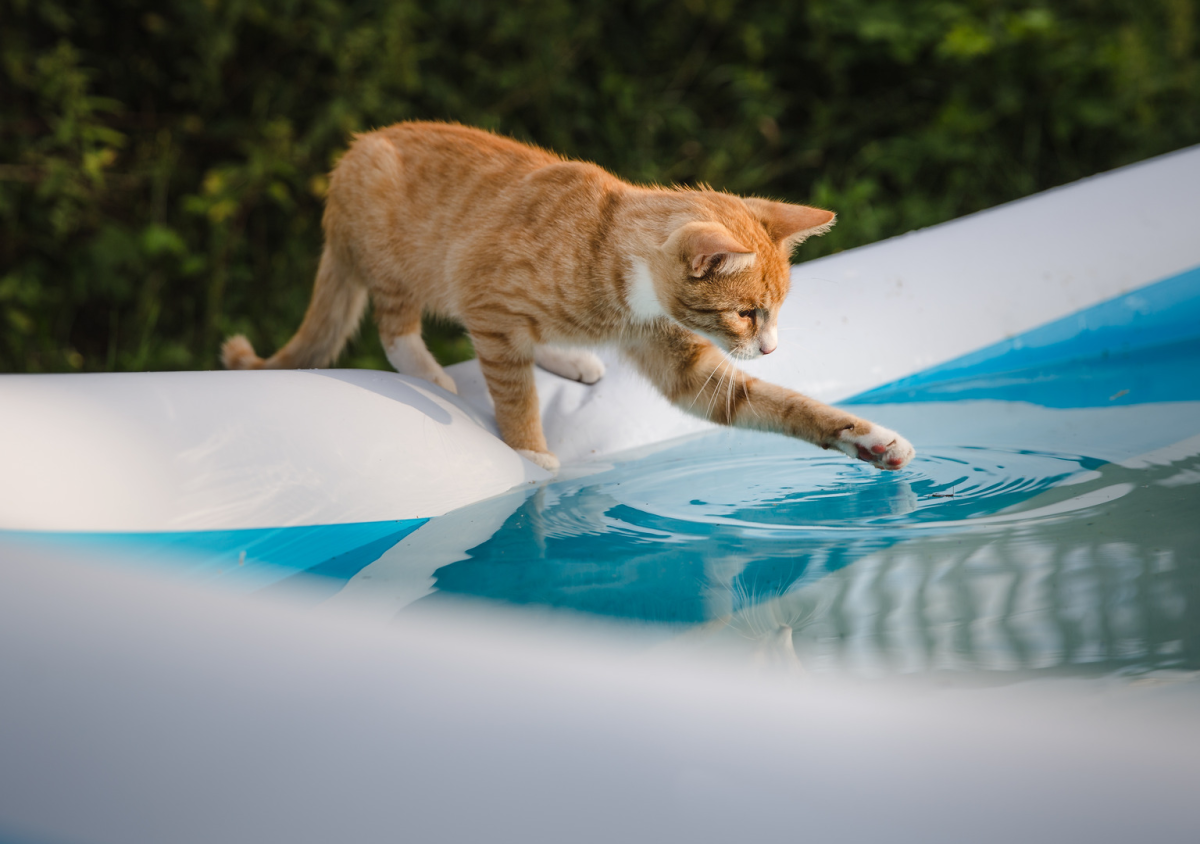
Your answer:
<point x="537" y="255"/>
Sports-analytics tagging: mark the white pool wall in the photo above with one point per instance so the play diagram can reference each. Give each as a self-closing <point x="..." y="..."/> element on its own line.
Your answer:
<point x="138" y="711"/>
<point x="186" y="451"/>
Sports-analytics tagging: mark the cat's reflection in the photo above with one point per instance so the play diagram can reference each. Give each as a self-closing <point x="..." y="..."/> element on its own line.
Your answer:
<point x="1049" y="596"/>
<point x="582" y="547"/>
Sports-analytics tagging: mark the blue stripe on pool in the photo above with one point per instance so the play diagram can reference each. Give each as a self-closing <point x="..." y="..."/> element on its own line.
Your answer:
<point x="247" y="560"/>
<point x="1138" y="348"/>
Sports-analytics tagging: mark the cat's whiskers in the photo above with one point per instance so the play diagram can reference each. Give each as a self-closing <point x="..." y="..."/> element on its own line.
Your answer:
<point x="722" y="368"/>
<point x="746" y="356"/>
<point x="734" y="355"/>
<point x="716" y="389"/>
<point x="702" y="386"/>
<point x="733" y="373"/>
<point x="746" y="393"/>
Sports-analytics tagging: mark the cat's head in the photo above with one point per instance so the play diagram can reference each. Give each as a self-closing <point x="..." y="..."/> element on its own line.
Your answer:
<point x="725" y="276"/>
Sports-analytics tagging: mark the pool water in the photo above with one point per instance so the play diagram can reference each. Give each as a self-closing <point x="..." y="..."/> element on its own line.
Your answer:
<point x="1033" y="550"/>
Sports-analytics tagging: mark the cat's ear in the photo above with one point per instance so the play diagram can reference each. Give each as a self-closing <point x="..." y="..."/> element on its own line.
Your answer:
<point x="709" y="247"/>
<point x="788" y="224"/>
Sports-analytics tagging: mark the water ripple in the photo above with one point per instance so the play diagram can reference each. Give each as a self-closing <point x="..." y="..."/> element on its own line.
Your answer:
<point x="802" y="490"/>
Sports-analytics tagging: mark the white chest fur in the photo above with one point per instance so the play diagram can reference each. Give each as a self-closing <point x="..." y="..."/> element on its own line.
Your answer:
<point x="640" y="295"/>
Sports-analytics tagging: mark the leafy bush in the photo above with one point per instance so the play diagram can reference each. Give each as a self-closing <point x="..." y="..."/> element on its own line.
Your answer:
<point x="162" y="165"/>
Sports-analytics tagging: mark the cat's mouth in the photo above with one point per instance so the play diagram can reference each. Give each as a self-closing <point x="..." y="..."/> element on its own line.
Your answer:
<point x="756" y="347"/>
<point x="743" y="352"/>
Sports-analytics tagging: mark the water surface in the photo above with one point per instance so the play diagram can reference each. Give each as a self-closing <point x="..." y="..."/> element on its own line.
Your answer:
<point x="1069" y="543"/>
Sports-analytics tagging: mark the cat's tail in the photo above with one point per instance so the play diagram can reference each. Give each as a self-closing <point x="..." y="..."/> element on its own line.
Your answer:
<point x="237" y="353"/>
<point x="331" y="319"/>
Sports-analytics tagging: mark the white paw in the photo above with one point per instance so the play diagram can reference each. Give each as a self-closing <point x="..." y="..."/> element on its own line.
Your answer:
<point x="882" y="448"/>
<point x="408" y="355"/>
<point x="445" y="382"/>
<point x="542" y="458"/>
<point x="575" y="364"/>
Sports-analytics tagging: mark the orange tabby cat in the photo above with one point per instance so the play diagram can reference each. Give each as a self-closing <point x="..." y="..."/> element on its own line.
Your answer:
<point x="535" y="255"/>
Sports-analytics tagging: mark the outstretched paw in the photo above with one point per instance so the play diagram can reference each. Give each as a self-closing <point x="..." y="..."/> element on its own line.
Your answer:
<point x="882" y="448"/>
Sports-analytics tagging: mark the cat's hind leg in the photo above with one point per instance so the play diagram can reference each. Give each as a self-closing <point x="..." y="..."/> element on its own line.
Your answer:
<point x="408" y="355"/>
<point x="507" y="366"/>
<point x="399" y="322"/>
<point x="573" y="364"/>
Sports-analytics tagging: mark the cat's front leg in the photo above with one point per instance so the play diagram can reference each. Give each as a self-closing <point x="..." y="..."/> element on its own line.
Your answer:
<point x="508" y="369"/>
<point x="701" y="380"/>
<point x="775" y="408"/>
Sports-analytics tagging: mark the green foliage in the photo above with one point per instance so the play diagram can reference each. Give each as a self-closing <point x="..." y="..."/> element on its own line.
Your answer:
<point x="162" y="165"/>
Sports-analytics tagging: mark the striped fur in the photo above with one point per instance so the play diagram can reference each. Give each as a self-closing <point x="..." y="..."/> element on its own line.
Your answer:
<point x="527" y="249"/>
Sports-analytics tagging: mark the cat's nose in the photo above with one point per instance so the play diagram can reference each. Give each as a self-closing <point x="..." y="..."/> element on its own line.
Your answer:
<point x="768" y="339"/>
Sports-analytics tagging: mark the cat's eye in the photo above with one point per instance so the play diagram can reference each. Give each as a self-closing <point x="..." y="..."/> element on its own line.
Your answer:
<point x="749" y="314"/>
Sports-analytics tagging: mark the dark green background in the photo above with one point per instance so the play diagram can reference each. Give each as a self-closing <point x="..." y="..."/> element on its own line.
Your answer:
<point x="162" y="164"/>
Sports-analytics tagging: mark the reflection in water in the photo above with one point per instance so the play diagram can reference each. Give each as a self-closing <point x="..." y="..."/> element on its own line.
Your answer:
<point x="1112" y="586"/>
<point x="976" y="558"/>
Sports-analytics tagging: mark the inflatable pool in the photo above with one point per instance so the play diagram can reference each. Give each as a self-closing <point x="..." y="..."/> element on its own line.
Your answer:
<point x="1075" y="313"/>
<point x="1043" y="357"/>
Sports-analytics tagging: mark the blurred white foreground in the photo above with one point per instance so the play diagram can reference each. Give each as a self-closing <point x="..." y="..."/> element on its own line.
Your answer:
<point x="142" y="711"/>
